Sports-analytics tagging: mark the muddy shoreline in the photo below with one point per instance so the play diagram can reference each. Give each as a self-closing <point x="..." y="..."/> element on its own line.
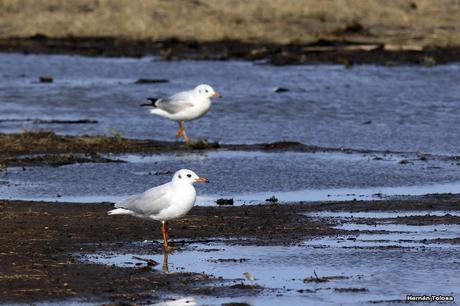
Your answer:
<point x="322" y="51"/>
<point x="38" y="148"/>
<point x="40" y="241"/>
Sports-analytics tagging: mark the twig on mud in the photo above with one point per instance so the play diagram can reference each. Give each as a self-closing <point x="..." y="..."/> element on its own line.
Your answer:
<point x="150" y="262"/>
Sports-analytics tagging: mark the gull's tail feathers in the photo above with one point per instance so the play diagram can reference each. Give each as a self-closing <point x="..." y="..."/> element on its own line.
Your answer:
<point x="119" y="211"/>
<point x="152" y="103"/>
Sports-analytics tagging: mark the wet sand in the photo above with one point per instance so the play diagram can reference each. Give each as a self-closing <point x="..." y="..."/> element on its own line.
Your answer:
<point x="40" y="241"/>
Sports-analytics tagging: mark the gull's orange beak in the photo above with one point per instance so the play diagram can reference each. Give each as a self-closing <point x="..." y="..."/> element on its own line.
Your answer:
<point x="202" y="180"/>
<point x="217" y="95"/>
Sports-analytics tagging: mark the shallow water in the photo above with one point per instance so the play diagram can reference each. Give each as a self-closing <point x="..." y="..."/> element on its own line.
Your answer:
<point x="247" y="177"/>
<point x="378" y="229"/>
<point x="380" y="214"/>
<point x="410" y="107"/>
<point x="386" y="261"/>
<point x="385" y="274"/>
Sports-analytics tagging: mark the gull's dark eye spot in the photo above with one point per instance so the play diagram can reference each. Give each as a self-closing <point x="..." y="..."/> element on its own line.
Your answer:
<point x="180" y="176"/>
<point x="206" y="90"/>
<point x="189" y="175"/>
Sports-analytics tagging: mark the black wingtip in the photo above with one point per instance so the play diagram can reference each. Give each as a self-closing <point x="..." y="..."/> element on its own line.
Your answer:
<point x="152" y="102"/>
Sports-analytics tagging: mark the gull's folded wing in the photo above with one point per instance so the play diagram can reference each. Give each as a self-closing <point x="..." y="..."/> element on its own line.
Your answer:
<point x="151" y="202"/>
<point x="173" y="106"/>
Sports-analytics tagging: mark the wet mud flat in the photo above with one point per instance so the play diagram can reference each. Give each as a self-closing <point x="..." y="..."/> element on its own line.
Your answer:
<point x="40" y="148"/>
<point x="39" y="240"/>
<point x="37" y="148"/>
<point x="63" y="251"/>
<point x="336" y="51"/>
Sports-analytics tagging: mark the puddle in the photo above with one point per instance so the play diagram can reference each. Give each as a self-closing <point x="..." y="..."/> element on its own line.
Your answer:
<point x="379" y="214"/>
<point x="367" y="260"/>
<point x="387" y="234"/>
<point x="282" y="270"/>
<point x="397" y="236"/>
<point x="438" y="229"/>
<point x="175" y="300"/>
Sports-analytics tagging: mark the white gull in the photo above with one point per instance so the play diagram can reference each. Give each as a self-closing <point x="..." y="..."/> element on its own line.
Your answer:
<point x="184" y="106"/>
<point x="163" y="203"/>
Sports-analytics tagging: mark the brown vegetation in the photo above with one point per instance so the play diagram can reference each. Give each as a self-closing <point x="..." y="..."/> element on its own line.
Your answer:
<point x="398" y="22"/>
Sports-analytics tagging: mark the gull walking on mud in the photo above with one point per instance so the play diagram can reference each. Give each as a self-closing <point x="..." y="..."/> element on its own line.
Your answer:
<point x="163" y="203"/>
<point x="184" y="106"/>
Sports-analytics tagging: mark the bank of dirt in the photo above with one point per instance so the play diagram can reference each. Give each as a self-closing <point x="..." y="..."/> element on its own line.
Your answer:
<point x="321" y="51"/>
<point x="304" y="31"/>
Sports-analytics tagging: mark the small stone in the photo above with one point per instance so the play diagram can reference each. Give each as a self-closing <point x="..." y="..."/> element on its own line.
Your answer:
<point x="151" y="81"/>
<point x="46" y="79"/>
<point x="280" y="89"/>
<point x="272" y="199"/>
<point x="224" y="201"/>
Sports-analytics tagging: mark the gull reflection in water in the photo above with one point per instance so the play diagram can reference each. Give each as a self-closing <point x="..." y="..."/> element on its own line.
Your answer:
<point x="165" y="262"/>
<point x="151" y="262"/>
<point x="179" y="302"/>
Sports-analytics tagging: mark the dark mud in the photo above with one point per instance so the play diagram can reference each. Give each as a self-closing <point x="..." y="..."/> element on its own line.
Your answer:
<point x="36" y="142"/>
<point x="41" y="142"/>
<point x="40" y="121"/>
<point x="39" y="240"/>
<point x="322" y="51"/>
<point x="56" y="160"/>
<point x="443" y="202"/>
<point x="63" y="150"/>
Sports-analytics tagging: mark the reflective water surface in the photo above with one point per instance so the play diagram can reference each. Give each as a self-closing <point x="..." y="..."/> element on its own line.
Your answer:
<point x="375" y="274"/>
<point x="247" y="177"/>
<point x="410" y="108"/>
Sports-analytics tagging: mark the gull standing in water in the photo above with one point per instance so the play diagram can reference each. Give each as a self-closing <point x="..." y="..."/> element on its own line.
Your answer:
<point x="163" y="203"/>
<point x="184" y="106"/>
